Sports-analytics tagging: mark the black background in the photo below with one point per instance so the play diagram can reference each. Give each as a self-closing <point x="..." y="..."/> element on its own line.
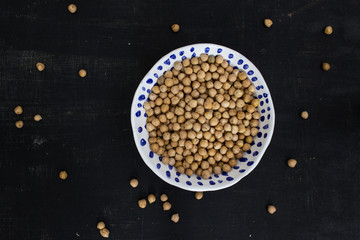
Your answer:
<point x="86" y="121"/>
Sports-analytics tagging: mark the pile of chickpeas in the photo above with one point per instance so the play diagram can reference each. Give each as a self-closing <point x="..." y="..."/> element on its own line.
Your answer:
<point x="202" y="115"/>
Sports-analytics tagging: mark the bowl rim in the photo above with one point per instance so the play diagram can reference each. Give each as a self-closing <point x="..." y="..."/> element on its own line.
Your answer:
<point x="194" y="187"/>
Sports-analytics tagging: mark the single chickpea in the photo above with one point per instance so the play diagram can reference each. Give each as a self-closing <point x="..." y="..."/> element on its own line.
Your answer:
<point x="255" y="102"/>
<point x="82" y="73"/>
<point x="151" y="198"/>
<point x="204" y="57"/>
<point x="63" y="175"/>
<point x="292" y="163"/>
<point x="175" y="27"/>
<point x="242" y="76"/>
<point x="211" y="59"/>
<point x="134" y="182"/>
<point x="18" y="110"/>
<point x="213" y="68"/>
<point x="105" y="233"/>
<point x="72" y="8"/>
<point x="217" y="170"/>
<point x="232" y="163"/>
<point x="142" y="203"/>
<point x="328" y="30"/>
<point x="205" y="165"/>
<point x="40" y="66"/>
<point x="180" y="169"/>
<point x="226" y="168"/>
<point x="37" y="117"/>
<point x="177" y="66"/>
<point x="219" y="59"/>
<point x="199" y="195"/>
<point x="325" y="66"/>
<point x="166" y="206"/>
<point x="189" y="172"/>
<point x="304" y="114"/>
<point x="268" y="22"/>
<point x="169" y="82"/>
<point x="100" y="225"/>
<point x="205" y="174"/>
<point x="271" y="209"/>
<point x="189" y="70"/>
<point x="175" y="217"/>
<point x="163" y="197"/>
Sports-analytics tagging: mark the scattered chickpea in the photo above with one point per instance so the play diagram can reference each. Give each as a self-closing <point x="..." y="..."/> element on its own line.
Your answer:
<point x="325" y="66"/>
<point x="82" y="73"/>
<point x="104" y="233"/>
<point x="175" y="27"/>
<point x="100" y="225"/>
<point x="271" y="209"/>
<point x="142" y="203"/>
<point x="328" y="30"/>
<point x="292" y="163"/>
<point x="268" y="22"/>
<point x="304" y="114"/>
<point x="19" y="124"/>
<point x="37" y="117"/>
<point x="18" y="110"/>
<point x="72" y="8"/>
<point x="63" y="175"/>
<point x="151" y="198"/>
<point x="175" y="217"/>
<point x="40" y="66"/>
<point x="134" y="182"/>
<point x="166" y="206"/>
<point x="199" y="195"/>
<point x="163" y="197"/>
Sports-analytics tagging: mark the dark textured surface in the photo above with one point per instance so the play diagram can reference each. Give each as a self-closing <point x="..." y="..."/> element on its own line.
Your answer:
<point x="86" y="123"/>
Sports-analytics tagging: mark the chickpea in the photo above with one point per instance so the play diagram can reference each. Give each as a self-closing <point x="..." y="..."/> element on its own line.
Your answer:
<point x="104" y="233"/>
<point x="199" y="195"/>
<point x="82" y="73"/>
<point x="219" y="59"/>
<point x="271" y="209"/>
<point x="254" y="131"/>
<point x="328" y="30"/>
<point x="189" y="172"/>
<point x="246" y="147"/>
<point x="163" y="197"/>
<point x="134" y="182"/>
<point x="19" y="124"/>
<point x="226" y="168"/>
<point x="268" y="22"/>
<point x="151" y="198"/>
<point x="72" y="8"/>
<point x="292" y="163"/>
<point x="217" y="170"/>
<point x="232" y="163"/>
<point x="175" y="28"/>
<point x="100" y="225"/>
<point x="325" y="66"/>
<point x="142" y="203"/>
<point x="18" y="110"/>
<point x="63" y="175"/>
<point x="205" y="174"/>
<point x="178" y="66"/>
<point x="304" y="114"/>
<point x="175" y="217"/>
<point x="166" y="206"/>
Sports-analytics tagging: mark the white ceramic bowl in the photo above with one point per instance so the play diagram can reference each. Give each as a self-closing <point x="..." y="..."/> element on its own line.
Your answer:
<point x="244" y="165"/>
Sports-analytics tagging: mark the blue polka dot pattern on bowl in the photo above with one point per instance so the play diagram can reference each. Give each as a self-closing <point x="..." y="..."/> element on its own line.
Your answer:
<point x="249" y="160"/>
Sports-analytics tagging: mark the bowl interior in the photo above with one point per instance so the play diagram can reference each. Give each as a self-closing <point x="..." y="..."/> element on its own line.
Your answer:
<point x="244" y="165"/>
